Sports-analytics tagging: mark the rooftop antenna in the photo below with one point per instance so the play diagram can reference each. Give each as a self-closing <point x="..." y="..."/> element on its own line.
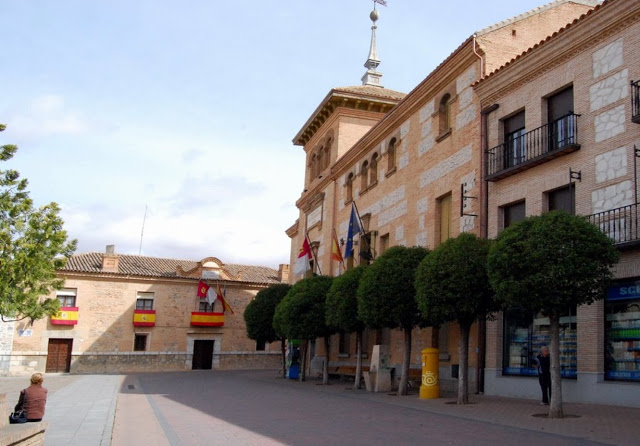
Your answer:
<point x="372" y="77"/>
<point x="144" y="219"/>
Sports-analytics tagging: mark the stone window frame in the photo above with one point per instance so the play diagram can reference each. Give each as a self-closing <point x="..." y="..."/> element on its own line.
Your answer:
<point x="392" y="153"/>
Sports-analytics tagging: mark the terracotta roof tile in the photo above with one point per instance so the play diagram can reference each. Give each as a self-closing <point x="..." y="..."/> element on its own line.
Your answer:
<point x="368" y="90"/>
<point x="142" y="266"/>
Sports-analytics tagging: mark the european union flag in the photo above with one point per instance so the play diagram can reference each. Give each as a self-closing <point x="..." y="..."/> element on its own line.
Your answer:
<point x="354" y="228"/>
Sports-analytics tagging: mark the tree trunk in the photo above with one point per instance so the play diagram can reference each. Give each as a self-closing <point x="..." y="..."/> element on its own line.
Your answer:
<point x="283" y="348"/>
<point x="404" y="380"/>
<point x="303" y="360"/>
<point x="325" y="366"/>
<point x="356" y="382"/>
<point x="463" y="368"/>
<point x="555" y="407"/>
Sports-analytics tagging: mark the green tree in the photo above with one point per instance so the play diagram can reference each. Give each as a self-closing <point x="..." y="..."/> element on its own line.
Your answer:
<point x="452" y="285"/>
<point x="547" y="263"/>
<point x="387" y="297"/>
<point x="342" y="310"/>
<point x="301" y="315"/>
<point x="258" y="317"/>
<point x="33" y="246"/>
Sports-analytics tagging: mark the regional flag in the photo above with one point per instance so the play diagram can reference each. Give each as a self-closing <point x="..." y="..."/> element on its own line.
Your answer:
<point x="354" y="228"/>
<point x="225" y="304"/>
<point x="202" y="289"/>
<point x="303" y="264"/>
<point x="211" y="296"/>
<point x="336" y="254"/>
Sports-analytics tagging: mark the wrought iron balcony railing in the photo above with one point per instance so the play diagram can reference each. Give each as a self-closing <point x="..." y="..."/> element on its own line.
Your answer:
<point x="635" y="101"/>
<point x="621" y="225"/>
<point x="532" y="148"/>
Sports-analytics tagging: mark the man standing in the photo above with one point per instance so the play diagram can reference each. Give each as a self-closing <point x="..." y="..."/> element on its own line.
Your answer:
<point x="544" y="374"/>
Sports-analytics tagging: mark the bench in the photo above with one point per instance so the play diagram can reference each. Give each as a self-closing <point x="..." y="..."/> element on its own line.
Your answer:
<point x="345" y="371"/>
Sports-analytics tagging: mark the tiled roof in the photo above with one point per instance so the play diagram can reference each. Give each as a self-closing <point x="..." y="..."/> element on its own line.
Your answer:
<point x="91" y="262"/>
<point x="535" y="11"/>
<point x="598" y="6"/>
<point x="368" y="90"/>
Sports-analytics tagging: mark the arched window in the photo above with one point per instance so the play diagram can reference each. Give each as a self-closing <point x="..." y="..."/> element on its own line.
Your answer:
<point x="364" y="173"/>
<point x="391" y="155"/>
<point x="319" y="162"/>
<point x="349" y="186"/>
<point x="373" y="170"/>
<point x="444" y="114"/>
<point x="326" y="157"/>
<point x="313" y="168"/>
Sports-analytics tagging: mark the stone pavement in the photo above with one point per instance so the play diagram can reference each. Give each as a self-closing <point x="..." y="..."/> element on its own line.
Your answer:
<point x="81" y="409"/>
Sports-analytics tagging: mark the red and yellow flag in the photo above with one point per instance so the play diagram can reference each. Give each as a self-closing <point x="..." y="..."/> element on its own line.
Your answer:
<point x="336" y="254"/>
<point x="225" y="304"/>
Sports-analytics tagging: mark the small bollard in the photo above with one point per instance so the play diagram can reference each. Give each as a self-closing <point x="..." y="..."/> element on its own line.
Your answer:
<point x="430" y="387"/>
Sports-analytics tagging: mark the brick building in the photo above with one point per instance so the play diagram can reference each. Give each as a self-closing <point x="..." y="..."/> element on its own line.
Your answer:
<point x="125" y="313"/>
<point x="563" y="123"/>
<point x="411" y="163"/>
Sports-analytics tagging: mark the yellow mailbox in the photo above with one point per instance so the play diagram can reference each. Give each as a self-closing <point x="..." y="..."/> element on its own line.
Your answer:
<point x="430" y="387"/>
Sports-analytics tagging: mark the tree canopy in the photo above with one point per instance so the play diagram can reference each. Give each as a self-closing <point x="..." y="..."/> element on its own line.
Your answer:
<point x="33" y="246"/>
<point x="342" y="301"/>
<point x="386" y="295"/>
<point x="301" y="314"/>
<point x="549" y="262"/>
<point x="258" y="315"/>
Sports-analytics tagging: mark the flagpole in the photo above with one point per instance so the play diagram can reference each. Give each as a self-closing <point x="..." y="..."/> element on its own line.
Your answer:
<point x="359" y="219"/>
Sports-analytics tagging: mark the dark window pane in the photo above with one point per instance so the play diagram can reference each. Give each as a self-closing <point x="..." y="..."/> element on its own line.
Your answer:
<point x="562" y="200"/>
<point x="514" y="213"/>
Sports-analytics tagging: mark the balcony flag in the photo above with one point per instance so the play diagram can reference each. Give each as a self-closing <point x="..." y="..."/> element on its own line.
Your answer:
<point x="354" y="228"/>
<point x="202" y="289"/>
<point x="303" y="263"/>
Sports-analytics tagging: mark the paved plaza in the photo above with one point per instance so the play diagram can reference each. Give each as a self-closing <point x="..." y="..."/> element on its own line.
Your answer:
<point x="258" y="408"/>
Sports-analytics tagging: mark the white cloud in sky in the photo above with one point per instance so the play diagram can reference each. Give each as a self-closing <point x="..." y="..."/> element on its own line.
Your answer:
<point x="45" y="116"/>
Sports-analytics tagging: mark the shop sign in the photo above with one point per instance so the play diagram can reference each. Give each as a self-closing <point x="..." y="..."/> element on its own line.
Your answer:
<point x="621" y="291"/>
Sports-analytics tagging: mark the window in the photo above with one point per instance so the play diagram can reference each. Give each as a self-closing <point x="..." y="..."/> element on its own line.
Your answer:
<point x="526" y="334"/>
<point x="514" y="142"/>
<point x="204" y="307"/>
<point x="444" y="206"/>
<point x="562" y="199"/>
<point x="326" y="155"/>
<point x="343" y="343"/>
<point x="144" y="301"/>
<point x="349" y="186"/>
<point x="319" y="162"/>
<point x="444" y="115"/>
<point x="373" y="170"/>
<point x="313" y="167"/>
<point x="364" y="173"/>
<point x="513" y="213"/>
<point x="561" y="119"/>
<point x="260" y="346"/>
<point x="391" y="155"/>
<point x="140" y="342"/>
<point x="384" y="243"/>
<point x="67" y="297"/>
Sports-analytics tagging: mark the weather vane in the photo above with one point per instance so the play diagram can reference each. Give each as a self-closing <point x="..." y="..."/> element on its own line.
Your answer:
<point x="382" y="2"/>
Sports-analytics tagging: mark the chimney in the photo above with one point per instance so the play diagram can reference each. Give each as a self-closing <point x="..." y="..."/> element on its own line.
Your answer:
<point x="283" y="273"/>
<point x="110" y="260"/>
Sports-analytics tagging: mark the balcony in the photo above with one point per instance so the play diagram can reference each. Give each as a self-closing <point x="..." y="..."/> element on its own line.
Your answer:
<point x="635" y="102"/>
<point x="66" y="316"/>
<point x="144" y="318"/>
<point x="621" y="225"/>
<point x="532" y="148"/>
<point x="207" y="319"/>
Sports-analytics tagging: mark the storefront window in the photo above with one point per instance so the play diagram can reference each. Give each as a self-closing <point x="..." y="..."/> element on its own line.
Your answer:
<point x="622" y="331"/>
<point x="525" y="335"/>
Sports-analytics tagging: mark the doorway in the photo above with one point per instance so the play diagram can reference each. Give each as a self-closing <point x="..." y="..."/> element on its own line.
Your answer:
<point x="59" y="356"/>
<point x="202" y="355"/>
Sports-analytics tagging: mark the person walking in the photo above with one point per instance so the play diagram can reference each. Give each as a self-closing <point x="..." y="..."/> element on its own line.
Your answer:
<point x="544" y="374"/>
<point x="33" y="398"/>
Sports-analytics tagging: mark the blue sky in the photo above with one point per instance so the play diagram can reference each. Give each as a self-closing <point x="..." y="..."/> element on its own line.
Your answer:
<point x="188" y="108"/>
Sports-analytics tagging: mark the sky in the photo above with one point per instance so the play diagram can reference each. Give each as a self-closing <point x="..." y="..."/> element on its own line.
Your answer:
<point x="165" y="128"/>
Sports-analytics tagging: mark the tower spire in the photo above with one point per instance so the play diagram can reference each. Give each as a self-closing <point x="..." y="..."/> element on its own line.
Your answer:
<point x="371" y="76"/>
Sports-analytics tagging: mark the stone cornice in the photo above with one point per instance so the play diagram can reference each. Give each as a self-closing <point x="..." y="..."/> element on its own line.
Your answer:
<point x="587" y="32"/>
<point x="292" y="230"/>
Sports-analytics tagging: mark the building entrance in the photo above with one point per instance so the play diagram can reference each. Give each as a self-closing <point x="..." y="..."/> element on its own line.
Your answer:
<point x="59" y="356"/>
<point x="202" y="355"/>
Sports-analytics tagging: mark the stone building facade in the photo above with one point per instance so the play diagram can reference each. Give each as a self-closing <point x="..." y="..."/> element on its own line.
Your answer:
<point x="562" y="133"/>
<point x="126" y="313"/>
<point x="412" y="165"/>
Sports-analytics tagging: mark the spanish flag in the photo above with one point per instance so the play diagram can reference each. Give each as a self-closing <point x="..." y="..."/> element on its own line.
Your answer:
<point x="336" y="254"/>
<point x="225" y="304"/>
<point x="66" y="316"/>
